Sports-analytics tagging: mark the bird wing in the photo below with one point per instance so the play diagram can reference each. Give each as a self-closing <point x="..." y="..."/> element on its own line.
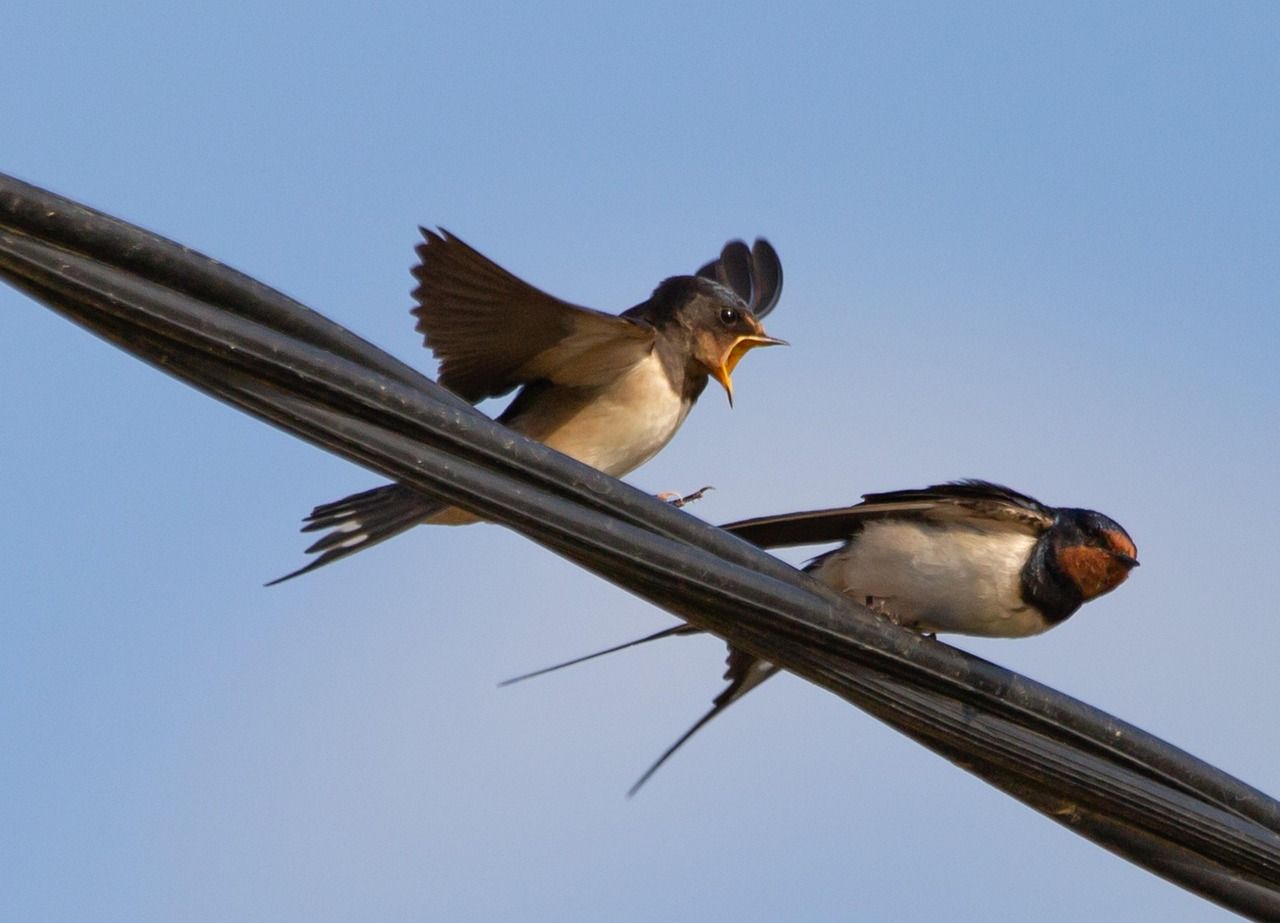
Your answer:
<point x="754" y="275"/>
<point x="492" y="331"/>
<point x="978" y="503"/>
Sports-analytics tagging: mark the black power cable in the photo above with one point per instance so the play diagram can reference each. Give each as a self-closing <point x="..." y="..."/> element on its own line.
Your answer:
<point x="250" y="346"/>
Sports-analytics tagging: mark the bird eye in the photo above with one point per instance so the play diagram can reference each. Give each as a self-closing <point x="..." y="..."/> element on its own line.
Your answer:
<point x="729" y="316"/>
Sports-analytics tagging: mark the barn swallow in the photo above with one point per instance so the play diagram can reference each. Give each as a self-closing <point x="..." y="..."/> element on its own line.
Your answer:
<point x="608" y="390"/>
<point x="968" y="557"/>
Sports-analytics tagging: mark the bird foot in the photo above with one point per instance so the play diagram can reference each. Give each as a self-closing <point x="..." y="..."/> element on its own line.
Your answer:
<point x="678" y="501"/>
<point x="881" y="607"/>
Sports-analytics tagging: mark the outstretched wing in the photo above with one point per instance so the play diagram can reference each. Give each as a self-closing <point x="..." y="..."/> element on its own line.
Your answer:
<point x="754" y="275"/>
<point x="492" y="331"/>
<point x="979" y="503"/>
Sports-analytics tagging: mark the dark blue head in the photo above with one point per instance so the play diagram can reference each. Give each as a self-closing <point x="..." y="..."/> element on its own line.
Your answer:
<point x="1092" y="550"/>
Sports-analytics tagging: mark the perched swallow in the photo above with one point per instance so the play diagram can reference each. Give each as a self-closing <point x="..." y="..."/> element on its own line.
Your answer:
<point x="609" y="390"/>
<point x="969" y="557"/>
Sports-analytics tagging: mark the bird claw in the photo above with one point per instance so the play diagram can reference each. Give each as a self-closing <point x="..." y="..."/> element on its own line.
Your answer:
<point x="881" y="607"/>
<point x="679" y="501"/>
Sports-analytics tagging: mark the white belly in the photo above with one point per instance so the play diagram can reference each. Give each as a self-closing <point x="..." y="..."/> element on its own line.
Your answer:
<point x="620" y="428"/>
<point x="964" y="581"/>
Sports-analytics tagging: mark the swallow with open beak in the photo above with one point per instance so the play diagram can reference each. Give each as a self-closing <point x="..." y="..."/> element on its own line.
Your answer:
<point x="969" y="557"/>
<point x="608" y="390"/>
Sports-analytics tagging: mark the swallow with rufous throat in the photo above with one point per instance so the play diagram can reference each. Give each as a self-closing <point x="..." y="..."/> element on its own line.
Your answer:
<point x="968" y="557"/>
<point x="608" y="390"/>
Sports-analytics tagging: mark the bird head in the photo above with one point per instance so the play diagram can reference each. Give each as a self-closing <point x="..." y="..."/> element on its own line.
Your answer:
<point x="722" y="330"/>
<point x="1093" y="551"/>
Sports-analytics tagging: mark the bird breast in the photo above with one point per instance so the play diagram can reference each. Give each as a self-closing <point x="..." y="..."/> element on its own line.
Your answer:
<point x="960" y="579"/>
<point x="615" y="427"/>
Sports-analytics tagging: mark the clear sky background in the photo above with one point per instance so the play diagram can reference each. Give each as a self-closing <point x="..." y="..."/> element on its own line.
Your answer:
<point x="1024" y="242"/>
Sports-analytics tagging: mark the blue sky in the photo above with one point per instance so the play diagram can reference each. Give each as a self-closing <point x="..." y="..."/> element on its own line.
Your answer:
<point x="1029" y="244"/>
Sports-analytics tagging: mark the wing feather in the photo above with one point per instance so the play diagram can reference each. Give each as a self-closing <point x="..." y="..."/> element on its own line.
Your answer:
<point x="754" y="275"/>
<point x="979" y="503"/>
<point x="492" y="331"/>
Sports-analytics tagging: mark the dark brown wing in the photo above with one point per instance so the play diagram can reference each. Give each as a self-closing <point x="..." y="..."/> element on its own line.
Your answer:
<point x="492" y="331"/>
<point x="811" y="527"/>
<point x="971" y="499"/>
<point x="744" y="672"/>
<point x="754" y="275"/>
<point x="977" y="502"/>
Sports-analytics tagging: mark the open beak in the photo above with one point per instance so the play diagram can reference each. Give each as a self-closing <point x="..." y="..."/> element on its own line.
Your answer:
<point x="733" y="355"/>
